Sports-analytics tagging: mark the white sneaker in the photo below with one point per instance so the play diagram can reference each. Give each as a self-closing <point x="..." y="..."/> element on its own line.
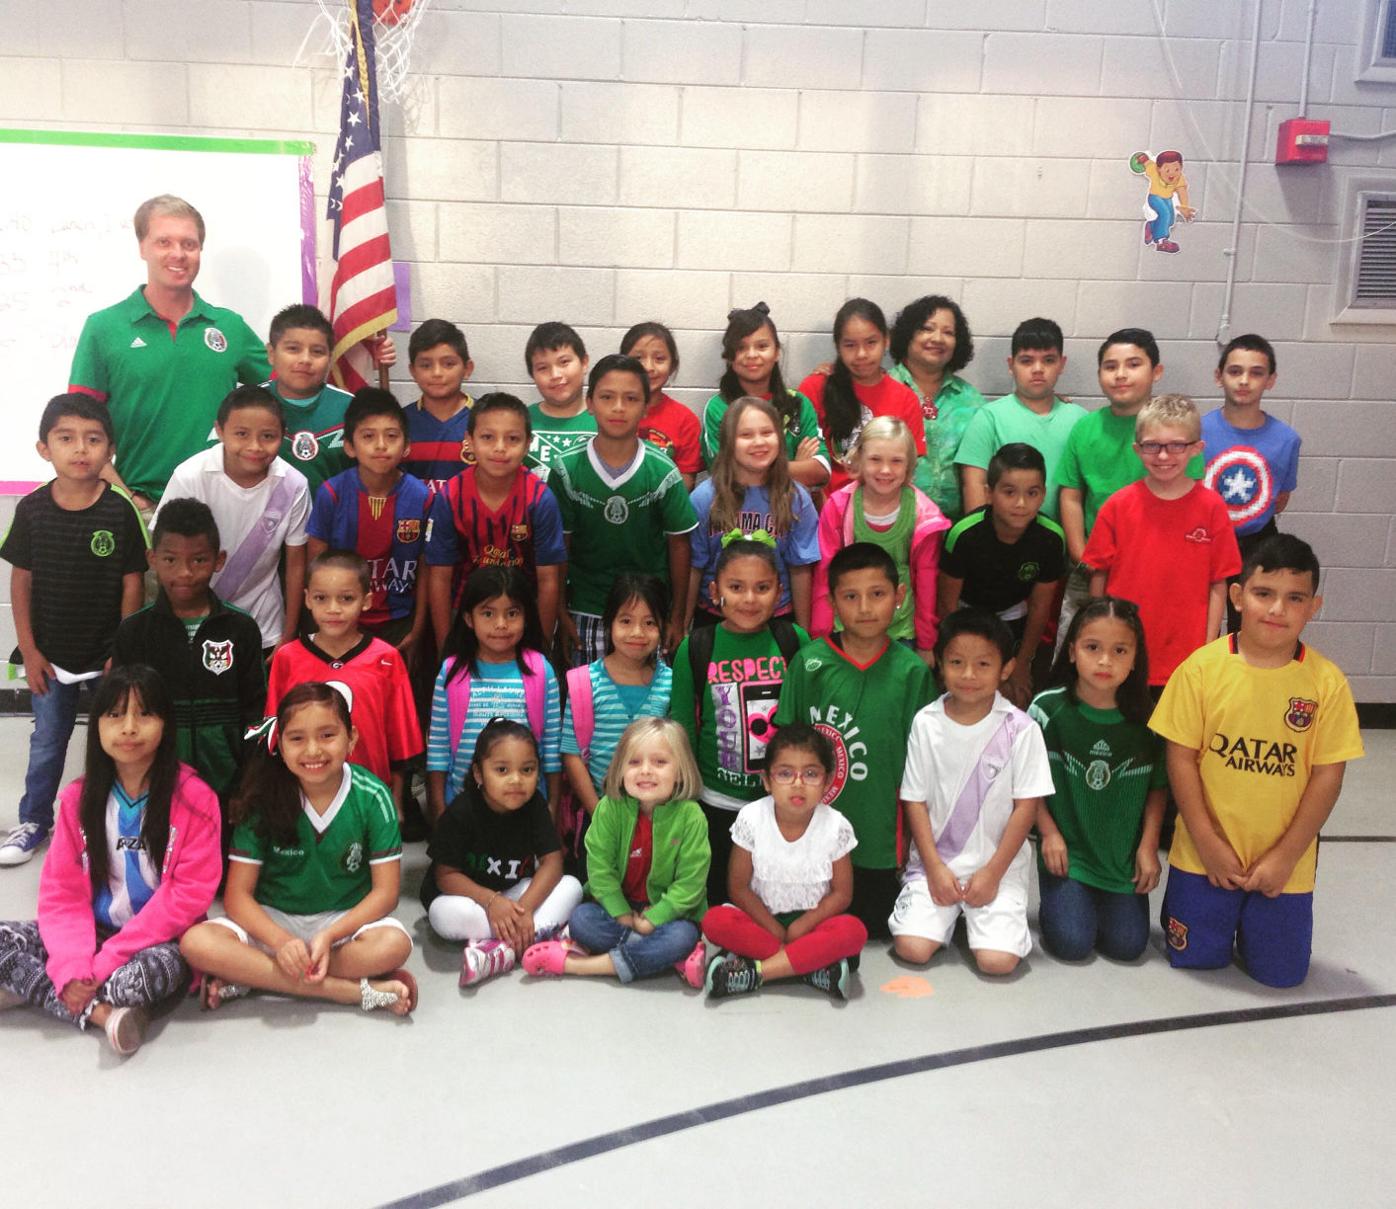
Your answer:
<point x="21" y="844"/>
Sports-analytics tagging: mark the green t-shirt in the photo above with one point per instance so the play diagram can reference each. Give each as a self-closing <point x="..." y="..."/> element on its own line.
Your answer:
<point x="1103" y="768"/>
<point x="737" y="700"/>
<point x="327" y="869"/>
<point x="805" y="424"/>
<point x="554" y="436"/>
<point x="617" y="523"/>
<point x="947" y="416"/>
<point x="314" y="440"/>
<point x="1099" y="459"/>
<point x="1007" y="420"/>
<point x="866" y="713"/>
<point x="163" y="393"/>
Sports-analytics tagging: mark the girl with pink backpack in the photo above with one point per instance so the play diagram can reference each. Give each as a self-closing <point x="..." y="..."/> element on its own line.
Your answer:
<point x="494" y="667"/>
<point x="606" y="696"/>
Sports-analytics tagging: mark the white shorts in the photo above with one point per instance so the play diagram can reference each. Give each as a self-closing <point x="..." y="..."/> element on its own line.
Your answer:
<point x="306" y="926"/>
<point x="1001" y="925"/>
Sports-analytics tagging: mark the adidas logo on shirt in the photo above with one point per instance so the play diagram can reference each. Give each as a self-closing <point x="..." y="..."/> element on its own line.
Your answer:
<point x="137" y="343"/>
<point x="1101" y="748"/>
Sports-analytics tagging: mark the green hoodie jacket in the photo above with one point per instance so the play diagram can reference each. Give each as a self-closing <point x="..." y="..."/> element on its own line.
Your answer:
<point x="678" y="878"/>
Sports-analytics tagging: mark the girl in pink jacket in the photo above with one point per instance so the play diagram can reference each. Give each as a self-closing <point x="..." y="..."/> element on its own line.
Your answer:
<point x="135" y="860"/>
<point x="881" y="506"/>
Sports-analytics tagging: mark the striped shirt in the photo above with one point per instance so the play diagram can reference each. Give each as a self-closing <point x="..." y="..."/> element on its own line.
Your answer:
<point x="613" y="713"/>
<point x="496" y="691"/>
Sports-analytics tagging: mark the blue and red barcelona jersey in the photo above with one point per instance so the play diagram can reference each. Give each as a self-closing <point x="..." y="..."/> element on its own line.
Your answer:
<point x="387" y="532"/>
<point x="526" y="532"/>
<point x="438" y="450"/>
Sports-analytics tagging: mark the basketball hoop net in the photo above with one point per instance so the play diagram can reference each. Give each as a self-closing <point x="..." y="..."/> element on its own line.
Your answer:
<point x="395" y="25"/>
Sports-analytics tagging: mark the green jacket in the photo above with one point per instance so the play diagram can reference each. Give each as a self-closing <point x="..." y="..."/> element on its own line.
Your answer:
<point x="678" y="878"/>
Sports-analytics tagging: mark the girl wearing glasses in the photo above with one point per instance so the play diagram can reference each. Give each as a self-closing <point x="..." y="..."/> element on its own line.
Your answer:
<point x="790" y="880"/>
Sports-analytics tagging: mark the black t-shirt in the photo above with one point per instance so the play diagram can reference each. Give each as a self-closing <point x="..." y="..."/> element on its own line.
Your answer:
<point x="496" y="850"/>
<point x="998" y="575"/>
<point x="77" y="561"/>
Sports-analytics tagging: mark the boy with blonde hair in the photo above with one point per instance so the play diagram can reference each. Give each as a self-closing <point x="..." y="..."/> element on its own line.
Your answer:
<point x="1166" y="542"/>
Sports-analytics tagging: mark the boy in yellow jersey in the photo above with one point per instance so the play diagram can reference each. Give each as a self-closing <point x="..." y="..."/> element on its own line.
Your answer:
<point x="1259" y="729"/>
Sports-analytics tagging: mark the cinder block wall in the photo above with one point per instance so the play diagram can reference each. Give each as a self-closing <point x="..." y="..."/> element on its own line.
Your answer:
<point x="607" y="161"/>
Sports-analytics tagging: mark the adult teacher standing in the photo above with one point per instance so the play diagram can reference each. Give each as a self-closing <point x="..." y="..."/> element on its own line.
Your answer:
<point x="162" y="358"/>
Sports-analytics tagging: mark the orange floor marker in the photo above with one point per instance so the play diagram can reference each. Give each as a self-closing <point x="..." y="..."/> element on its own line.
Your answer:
<point x="909" y="986"/>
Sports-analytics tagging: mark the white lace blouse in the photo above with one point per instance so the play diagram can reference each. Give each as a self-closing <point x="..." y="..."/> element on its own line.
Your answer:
<point x="792" y="875"/>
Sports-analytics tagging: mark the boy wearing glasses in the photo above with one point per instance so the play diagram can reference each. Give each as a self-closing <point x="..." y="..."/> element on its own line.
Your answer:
<point x="1166" y="542"/>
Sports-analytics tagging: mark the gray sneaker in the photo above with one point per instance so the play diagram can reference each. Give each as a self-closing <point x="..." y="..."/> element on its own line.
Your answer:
<point x="21" y="844"/>
<point x="729" y="975"/>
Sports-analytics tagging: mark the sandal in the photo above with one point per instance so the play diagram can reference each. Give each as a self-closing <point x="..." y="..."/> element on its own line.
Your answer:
<point x="215" y="988"/>
<point x="693" y="968"/>
<point x="371" y="1000"/>
<point x="402" y="976"/>
<point x="548" y="957"/>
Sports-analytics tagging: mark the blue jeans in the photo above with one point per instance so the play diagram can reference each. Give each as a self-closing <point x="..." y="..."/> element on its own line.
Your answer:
<point x="1162" y="222"/>
<point x="634" y="956"/>
<point x="54" y="715"/>
<point x="1076" y="918"/>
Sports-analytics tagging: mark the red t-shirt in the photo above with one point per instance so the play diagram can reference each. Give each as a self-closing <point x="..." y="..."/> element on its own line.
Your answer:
<point x="382" y="709"/>
<point x="1164" y="555"/>
<point x="888" y="398"/>
<point x="674" y="430"/>
<point x="635" y="884"/>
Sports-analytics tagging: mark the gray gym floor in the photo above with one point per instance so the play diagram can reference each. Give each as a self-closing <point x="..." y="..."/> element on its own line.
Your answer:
<point x="1096" y="1084"/>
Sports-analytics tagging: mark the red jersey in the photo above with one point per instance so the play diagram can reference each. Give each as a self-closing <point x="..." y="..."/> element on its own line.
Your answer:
<point x="888" y="398"/>
<point x="674" y="430"/>
<point x="1164" y="555"/>
<point x="380" y="697"/>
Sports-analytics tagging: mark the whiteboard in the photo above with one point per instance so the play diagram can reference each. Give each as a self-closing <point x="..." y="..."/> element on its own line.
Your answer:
<point x="67" y="247"/>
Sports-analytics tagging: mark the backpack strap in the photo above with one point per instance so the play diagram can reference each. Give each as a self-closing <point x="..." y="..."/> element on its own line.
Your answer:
<point x="783" y="631"/>
<point x="700" y="654"/>
<point x="535" y="692"/>
<point x="457" y="702"/>
<point x="583" y="713"/>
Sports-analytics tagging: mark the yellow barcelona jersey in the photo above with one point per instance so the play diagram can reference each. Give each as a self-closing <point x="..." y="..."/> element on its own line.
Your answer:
<point x="1258" y="733"/>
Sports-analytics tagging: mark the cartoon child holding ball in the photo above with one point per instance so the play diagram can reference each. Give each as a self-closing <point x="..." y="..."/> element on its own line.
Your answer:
<point x="1168" y="196"/>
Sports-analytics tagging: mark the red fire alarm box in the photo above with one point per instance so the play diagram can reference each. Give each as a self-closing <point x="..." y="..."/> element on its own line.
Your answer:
<point x="1302" y="141"/>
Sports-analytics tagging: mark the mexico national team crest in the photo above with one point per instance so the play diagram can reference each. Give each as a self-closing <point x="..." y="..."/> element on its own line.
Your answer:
<point x="409" y="531"/>
<point x="1300" y="715"/>
<point x="1177" y="933"/>
<point x="103" y="544"/>
<point x="1029" y="571"/>
<point x="218" y="656"/>
<point x="1097" y="775"/>
<point x="216" y="340"/>
<point x="354" y="857"/>
<point x="304" y="445"/>
<point x="617" y="510"/>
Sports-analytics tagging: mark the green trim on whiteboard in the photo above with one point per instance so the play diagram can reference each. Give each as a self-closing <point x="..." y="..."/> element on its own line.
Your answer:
<point x="159" y="142"/>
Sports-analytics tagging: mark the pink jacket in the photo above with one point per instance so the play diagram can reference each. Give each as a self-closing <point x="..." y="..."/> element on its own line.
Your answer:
<point x="836" y="532"/>
<point x="188" y="882"/>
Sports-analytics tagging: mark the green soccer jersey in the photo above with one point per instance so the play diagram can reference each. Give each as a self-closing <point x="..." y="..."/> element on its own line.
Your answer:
<point x="1099" y="459"/>
<point x="314" y="440"/>
<point x="805" y="424"/>
<point x="866" y="713"/>
<point x="553" y="436"/>
<point x="163" y="387"/>
<point x="1007" y="420"/>
<point x="1103" y="768"/>
<point x="619" y="522"/>
<point x="327" y="868"/>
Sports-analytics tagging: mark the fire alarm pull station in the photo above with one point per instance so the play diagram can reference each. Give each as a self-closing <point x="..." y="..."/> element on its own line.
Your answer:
<point x="1302" y="141"/>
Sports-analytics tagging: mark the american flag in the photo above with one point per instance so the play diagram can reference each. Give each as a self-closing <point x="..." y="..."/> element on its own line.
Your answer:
<point x="363" y="298"/>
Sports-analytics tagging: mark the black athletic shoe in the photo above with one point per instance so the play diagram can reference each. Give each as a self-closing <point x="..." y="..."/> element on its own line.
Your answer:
<point x="731" y="975"/>
<point x="832" y="979"/>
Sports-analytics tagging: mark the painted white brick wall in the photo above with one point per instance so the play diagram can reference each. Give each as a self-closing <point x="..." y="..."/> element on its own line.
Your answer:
<point x="607" y="161"/>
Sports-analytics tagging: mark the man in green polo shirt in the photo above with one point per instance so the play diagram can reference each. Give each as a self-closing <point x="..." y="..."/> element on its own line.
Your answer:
<point x="162" y="359"/>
